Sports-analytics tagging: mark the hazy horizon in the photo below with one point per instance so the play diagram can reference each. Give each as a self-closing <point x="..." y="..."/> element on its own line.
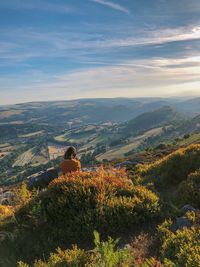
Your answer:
<point x="177" y="98"/>
<point x="67" y="50"/>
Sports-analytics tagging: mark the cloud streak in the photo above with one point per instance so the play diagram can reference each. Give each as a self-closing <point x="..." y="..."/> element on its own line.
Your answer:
<point x="33" y="44"/>
<point x="112" y="5"/>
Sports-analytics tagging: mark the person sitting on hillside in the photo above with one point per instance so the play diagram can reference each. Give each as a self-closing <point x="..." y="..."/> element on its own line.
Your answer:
<point x="70" y="162"/>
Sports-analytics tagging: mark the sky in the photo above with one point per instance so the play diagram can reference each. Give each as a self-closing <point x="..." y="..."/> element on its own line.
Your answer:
<point x="69" y="49"/>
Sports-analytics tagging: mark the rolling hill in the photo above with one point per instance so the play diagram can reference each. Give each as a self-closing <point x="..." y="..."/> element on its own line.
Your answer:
<point x="34" y="135"/>
<point x="159" y="117"/>
<point x="82" y="111"/>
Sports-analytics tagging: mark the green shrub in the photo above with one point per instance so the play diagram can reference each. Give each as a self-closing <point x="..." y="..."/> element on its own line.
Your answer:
<point x="173" y="168"/>
<point x="181" y="248"/>
<point x="189" y="190"/>
<point x="152" y="262"/>
<point x="105" y="254"/>
<point x="74" y="205"/>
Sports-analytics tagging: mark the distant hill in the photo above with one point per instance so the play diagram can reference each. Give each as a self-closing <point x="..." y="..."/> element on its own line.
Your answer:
<point x="83" y="110"/>
<point x="191" y="125"/>
<point x="149" y="120"/>
<point x="189" y="107"/>
<point x="181" y="133"/>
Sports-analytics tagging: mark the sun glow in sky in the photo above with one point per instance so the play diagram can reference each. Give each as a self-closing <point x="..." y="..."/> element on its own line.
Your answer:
<point x="67" y="49"/>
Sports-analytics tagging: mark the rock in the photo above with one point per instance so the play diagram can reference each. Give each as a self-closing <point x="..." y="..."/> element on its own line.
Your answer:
<point x="187" y="208"/>
<point x="8" y="194"/>
<point x="41" y="179"/>
<point x="180" y="223"/>
<point x="6" y="198"/>
<point x="126" y="164"/>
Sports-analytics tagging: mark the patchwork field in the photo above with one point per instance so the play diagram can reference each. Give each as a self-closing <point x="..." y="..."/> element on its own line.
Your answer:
<point x="80" y="136"/>
<point x="56" y="151"/>
<point x="6" y="149"/>
<point x="33" y="156"/>
<point x="195" y="138"/>
<point x="31" y="134"/>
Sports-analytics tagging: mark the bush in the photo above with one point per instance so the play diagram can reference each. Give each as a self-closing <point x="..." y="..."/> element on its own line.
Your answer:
<point x="181" y="248"/>
<point x="105" y="254"/>
<point x="76" y="204"/>
<point x="189" y="190"/>
<point x="74" y="257"/>
<point x="6" y="211"/>
<point x="173" y="168"/>
<point x="22" y="195"/>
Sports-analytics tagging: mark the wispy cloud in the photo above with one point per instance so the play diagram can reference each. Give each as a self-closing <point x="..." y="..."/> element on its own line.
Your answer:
<point x="80" y="46"/>
<point x="112" y="5"/>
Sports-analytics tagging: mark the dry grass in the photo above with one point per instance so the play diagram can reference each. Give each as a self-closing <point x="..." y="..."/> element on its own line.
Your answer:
<point x="31" y="134"/>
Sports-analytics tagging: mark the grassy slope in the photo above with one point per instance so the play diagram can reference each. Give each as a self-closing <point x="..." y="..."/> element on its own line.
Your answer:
<point x="119" y="151"/>
<point x="32" y="157"/>
<point x="193" y="139"/>
<point x="171" y="171"/>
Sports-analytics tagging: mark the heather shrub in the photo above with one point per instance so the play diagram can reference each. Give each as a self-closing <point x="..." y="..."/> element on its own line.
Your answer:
<point x="6" y="211"/>
<point x="74" y="257"/>
<point x="151" y="262"/>
<point x="181" y="248"/>
<point x="189" y="190"/>
<point x="130" y="207"/>
<point x="76" y="204"/>
<point x="82" y="201"/>
<point x="173" y="168"/>
<point x="22" y="195"/>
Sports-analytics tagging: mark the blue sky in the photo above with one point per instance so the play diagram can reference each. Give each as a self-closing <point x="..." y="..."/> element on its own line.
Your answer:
<point x="67" y="49"/>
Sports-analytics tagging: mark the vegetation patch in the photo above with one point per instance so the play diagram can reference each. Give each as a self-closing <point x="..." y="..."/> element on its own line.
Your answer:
<point x="105" y="254"/>
<point x="75" y="205"/>
<point x="174" y="168"/>
<point x="181" y="248"/>
<point x="189" y="190"/>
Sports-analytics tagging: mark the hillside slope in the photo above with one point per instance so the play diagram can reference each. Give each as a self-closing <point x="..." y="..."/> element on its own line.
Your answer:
<point x="146" y="121"/>
<point x="72" y="207"/>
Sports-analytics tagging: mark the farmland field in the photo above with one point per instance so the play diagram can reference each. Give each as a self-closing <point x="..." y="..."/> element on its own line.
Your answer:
<point x="56" y="151"/>
<point x="31" y="134"/>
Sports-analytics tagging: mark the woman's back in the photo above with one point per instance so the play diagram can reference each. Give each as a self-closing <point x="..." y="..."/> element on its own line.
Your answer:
<point x="70" y="165"/>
